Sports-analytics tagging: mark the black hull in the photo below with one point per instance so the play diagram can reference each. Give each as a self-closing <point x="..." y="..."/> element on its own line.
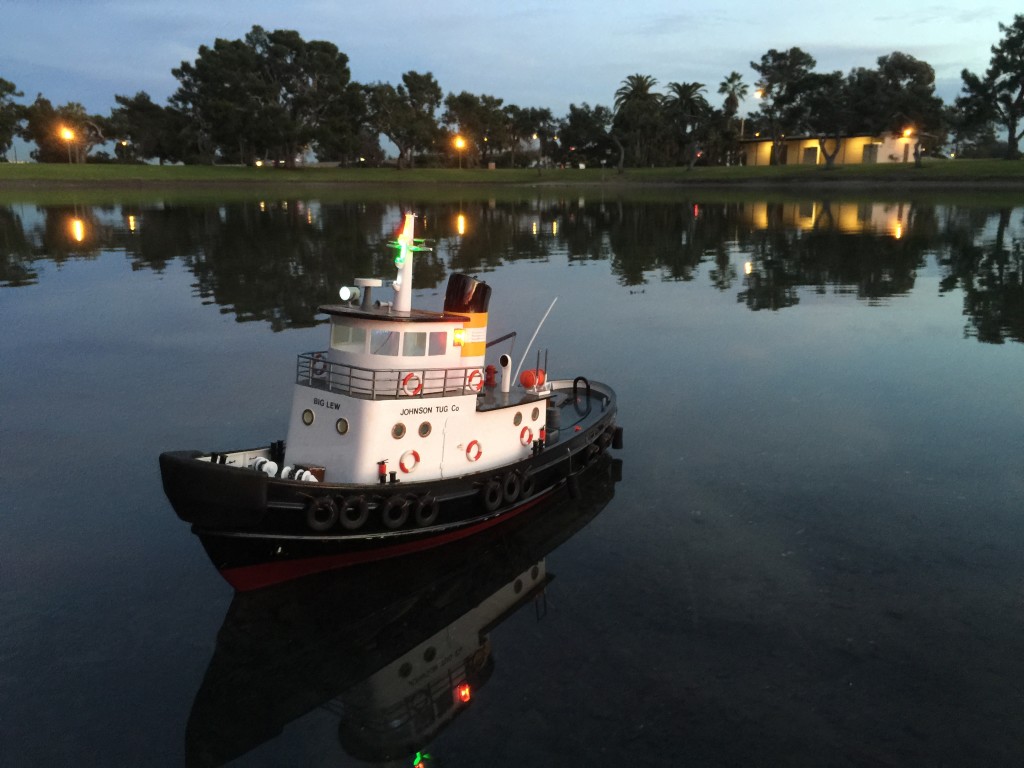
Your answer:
<point x="260" y="530"/>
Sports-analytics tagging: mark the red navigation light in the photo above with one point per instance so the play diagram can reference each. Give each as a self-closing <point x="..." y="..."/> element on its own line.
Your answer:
<point x="463" y="693"/>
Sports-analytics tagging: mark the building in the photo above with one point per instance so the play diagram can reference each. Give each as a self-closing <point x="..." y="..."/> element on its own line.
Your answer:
<point x="853" y="150"/>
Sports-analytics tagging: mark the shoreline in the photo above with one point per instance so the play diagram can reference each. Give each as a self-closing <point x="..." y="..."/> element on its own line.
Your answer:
<point x="1000" y="181"/>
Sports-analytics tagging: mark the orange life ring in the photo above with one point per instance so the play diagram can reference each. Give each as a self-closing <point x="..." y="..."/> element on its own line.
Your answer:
<point x="476" y="380"/>
<point x="409" y="461"/>
<point x="415" y="390"/>
<point x="319" y="366"/>
<point x="526" y="436"/>
<point x="473" y="450"/>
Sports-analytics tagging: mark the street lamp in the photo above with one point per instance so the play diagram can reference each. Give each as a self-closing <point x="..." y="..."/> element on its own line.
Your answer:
<point x="68" y="136"/>
<point x="460" y="144"/>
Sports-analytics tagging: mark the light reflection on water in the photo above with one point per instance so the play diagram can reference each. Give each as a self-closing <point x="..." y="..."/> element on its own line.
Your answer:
<point x="814" y="548"/>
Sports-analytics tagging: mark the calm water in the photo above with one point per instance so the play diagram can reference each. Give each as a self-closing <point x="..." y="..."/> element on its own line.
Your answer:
<point x="814" y="556"/>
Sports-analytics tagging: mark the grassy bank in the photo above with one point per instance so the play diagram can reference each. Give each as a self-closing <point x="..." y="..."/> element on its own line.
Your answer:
<point x="964" y="171"/>
<point x="999" y="180"/>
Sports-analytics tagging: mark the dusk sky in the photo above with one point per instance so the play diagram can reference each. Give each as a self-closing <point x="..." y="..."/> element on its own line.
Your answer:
<point x="533" y="54"/>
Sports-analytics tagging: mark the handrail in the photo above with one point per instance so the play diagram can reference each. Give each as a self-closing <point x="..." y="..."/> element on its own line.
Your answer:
<point x="313" y="369"/>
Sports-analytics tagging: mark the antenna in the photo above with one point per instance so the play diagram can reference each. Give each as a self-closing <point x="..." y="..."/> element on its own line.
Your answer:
<point x="530" y="344"/>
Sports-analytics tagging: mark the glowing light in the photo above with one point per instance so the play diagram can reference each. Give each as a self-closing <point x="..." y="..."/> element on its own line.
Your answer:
<point x="748" y="267"/>
<point x="464" y="693"/>
<point x="131" y="222"/>
<point x="457" y="336"/>
<point x="897" y="230"/>
<point x="77" y="227"/>
<point x="460" y="144"/>
<point x="907" y="132"/>
<point x="68" y="136"/>
<point x="535" y="227"/>
<point x="460" y="224"/>
<point x="405" y="239"/>
<point x="554" y="227"/>
<point x="405" y="242"/>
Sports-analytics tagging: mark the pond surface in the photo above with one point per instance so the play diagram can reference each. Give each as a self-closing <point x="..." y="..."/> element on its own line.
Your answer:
<point x="813" y="555"/>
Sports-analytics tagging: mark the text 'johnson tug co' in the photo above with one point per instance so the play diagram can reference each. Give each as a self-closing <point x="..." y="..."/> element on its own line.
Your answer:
<point x="401" y="437"/>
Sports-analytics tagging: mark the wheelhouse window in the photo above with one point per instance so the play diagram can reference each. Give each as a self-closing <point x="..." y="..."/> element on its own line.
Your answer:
<point x="438" y="342"/>
<point x="384" y="342"/>
<point x="414" y="344"/>
<point x="348" y="338"/>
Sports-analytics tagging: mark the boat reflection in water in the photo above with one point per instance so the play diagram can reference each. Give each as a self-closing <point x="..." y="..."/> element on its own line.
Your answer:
<point x="396" y="649"/>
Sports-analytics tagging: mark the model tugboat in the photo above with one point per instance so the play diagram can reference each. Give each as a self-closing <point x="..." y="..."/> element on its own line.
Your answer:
<point x="401" y="437"/>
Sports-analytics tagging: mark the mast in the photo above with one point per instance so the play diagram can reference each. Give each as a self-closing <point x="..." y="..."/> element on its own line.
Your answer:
<point x="403" y="283"/>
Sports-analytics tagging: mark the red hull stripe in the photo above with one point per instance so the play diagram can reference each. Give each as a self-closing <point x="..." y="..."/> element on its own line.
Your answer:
<point x="249" y="577"/>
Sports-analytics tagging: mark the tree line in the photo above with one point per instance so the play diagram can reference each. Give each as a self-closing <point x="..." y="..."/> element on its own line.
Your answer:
<point x="274" y="97"/>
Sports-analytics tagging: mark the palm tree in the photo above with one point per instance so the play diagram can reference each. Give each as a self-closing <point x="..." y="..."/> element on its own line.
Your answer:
<point x="735" y="91"/>
<point x="637" y="117"/>
<point x="686" y="109"/>
<point x="636" y="89"/>
<point x="686" y="105"/>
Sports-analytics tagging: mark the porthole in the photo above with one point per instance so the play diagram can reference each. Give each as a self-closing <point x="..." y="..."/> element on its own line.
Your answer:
<point x="342" y="426"/>
<point x="405" y="670"/>
<point x="398" y="431"/>
<point x="307" y="417"/>
<point x="536" y="414"/>
<point x="430" y="654"/>
<point x="534" y="572"/>
<point x="517" y="587"/>
<point x="425" y="429"/>
<point x="518" y="419"/>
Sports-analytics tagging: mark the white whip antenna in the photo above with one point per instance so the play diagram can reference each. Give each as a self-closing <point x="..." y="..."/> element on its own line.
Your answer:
<point x="530" y="343"/>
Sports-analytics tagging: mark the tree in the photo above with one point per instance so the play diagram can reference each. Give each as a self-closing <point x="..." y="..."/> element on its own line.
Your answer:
<point x="480" y="120"/>
<point x="998" y="97"/>
<point x="10" y="116"/>
<point x="145" y="130"/>
<point x="726" y="135"/>
<point x="686" y="110"/>
<point x="525" y="125"/>
<point x="735" y="91"/>
<point x="782" y="83"/>
<point x="589" y="130"/>
<point x="909" y="93"/>
<point x="61" y="134"/>
<point x="271" y="94"/>
<point x="220" y="93"/>
<point x="406" y="114"/>
<point x="828" y="114"/>
<point x="898" y="94"/>
<point x="638" y="118"/>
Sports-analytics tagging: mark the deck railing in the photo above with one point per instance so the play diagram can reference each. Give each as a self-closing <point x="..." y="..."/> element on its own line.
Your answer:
<point x="315" y="370"/>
